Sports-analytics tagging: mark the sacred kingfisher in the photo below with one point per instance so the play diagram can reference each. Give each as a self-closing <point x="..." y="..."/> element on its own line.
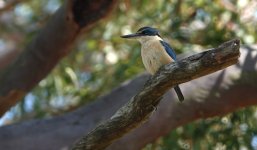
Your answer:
<point x="155" y="52"/>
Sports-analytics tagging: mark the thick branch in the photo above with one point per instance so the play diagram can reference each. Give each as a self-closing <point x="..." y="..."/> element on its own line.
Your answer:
<point x="53" y="42"/>
<point x="213" y="95"/>
<point x="217" y="94"/>
<point x="138" y="109"/>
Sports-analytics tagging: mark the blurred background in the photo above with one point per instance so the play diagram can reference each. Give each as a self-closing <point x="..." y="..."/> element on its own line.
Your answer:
<point x="101" y="60"/>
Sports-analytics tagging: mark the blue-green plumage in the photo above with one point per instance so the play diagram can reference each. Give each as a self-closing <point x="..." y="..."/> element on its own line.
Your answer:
<point x="169" y="50"/>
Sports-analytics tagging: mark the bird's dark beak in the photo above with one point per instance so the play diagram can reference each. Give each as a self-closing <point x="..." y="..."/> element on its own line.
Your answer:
<point x="134" y="35"/>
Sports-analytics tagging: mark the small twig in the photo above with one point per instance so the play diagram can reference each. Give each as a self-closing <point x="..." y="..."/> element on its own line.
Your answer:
<point x="139" y="108"/>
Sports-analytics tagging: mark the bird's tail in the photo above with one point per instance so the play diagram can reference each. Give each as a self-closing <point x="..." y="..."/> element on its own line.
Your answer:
<point x="179" y="93"/>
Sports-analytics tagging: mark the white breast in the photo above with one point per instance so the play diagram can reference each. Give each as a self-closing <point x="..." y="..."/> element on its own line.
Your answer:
<point x="154" y="55"/>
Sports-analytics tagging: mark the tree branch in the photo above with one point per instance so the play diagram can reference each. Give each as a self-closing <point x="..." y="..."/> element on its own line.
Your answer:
<point x="139" y="108"/>
<point x="52" y="43"/>
<point x="216" y="94"/>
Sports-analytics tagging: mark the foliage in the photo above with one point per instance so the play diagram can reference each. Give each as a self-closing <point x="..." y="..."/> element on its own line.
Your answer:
<point x="102" y="60"/>
<point x="233" y="132"/>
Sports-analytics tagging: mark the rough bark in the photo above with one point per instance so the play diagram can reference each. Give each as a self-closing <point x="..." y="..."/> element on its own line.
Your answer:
<point x="51" y="44"/>
<point x="139" y="108"/>
<point x="222" y="91"/>
<point x="217" y="94"/>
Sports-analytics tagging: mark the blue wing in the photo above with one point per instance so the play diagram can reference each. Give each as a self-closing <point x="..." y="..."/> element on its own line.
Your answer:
<point x="169" y="50"/>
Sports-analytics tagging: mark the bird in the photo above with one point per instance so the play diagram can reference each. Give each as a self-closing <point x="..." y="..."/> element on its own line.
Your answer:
<point x="155" y="52"/>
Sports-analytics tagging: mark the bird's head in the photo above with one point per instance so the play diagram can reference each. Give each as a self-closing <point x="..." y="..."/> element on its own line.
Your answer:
<point x="144" y="34"/>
